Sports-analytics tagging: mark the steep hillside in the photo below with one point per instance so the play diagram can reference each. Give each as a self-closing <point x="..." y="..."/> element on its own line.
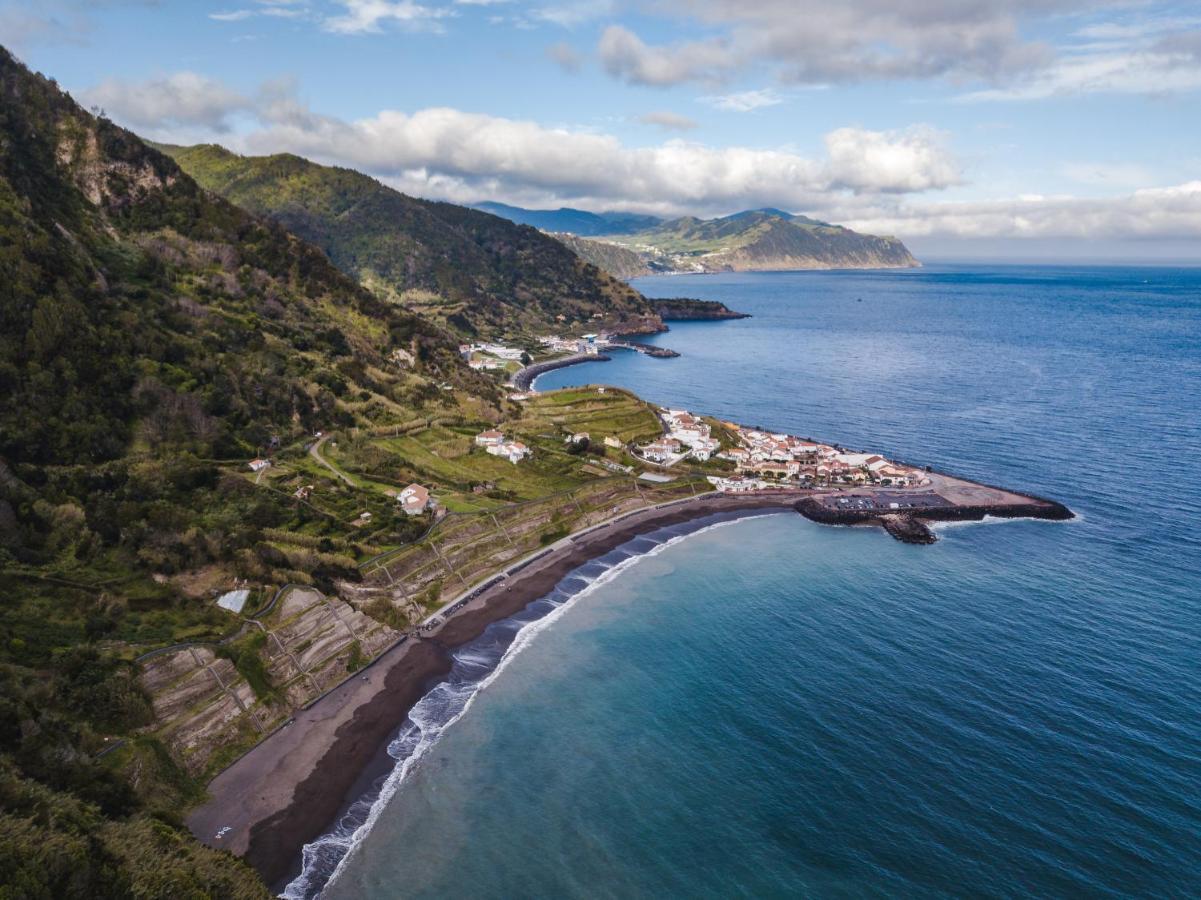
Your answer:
<point x="153" y="338"/>
<point x="762" y="240"/>
<point x="620" y="262"/>
<point x="480" y="274"/>
<point x="572" y="221"/>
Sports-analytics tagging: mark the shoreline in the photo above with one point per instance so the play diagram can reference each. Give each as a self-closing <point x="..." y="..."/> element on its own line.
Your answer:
<point x="523" y="379"/>
<point x="290" y="788"/>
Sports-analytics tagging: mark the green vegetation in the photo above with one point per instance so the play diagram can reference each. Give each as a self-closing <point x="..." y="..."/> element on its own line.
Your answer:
<point x="246" y="655"/>
<point x="685" y="309"/>
<point x="356" y="660"/>
<point x="618" y="261"/>
<point x="154" y="338"/>
<point x="480" y="274"/>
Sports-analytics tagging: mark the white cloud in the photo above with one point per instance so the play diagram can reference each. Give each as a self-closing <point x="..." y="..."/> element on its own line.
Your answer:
<point x="1158" y="71"/>
<point x="915" y="159"/>
<point x="817" y="42"/>
<point x="572" y="14"/>
<point x="182" y="98"/>
<point x="627" y="57"/>
<point x="744" y="101"/>
<point x="981" y="44"/>
<point x="279" y="9"/>
<point x="463" y="155"/>
<point x="370" y="16"/>
<point x="1152" y="213"/>
<point x="668" y="121"/>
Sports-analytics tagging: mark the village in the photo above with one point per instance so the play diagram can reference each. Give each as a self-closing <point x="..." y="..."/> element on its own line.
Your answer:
<point x="488" y="356"/>
<point x="767" y="460"/>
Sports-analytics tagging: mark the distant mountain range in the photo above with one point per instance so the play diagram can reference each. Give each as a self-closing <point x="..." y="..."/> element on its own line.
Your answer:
<point x="572" y="221"/>
<point x="754" y="240"/>
<point x="480" y="274"/>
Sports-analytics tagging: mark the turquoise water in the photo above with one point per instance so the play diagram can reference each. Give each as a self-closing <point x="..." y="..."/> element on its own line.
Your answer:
<point x="769" y="707"/>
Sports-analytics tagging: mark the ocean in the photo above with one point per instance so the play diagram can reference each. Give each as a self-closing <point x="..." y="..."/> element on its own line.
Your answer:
<point x="769" y="707"/>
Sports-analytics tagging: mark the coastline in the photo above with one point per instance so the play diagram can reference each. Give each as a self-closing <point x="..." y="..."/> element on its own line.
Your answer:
<point x="289" y="789"/>
<point x="523" y="379"/>
<point x="292" y="787"/>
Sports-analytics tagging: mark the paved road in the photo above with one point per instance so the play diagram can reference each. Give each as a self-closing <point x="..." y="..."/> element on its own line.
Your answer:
<point x="315" y="452"/>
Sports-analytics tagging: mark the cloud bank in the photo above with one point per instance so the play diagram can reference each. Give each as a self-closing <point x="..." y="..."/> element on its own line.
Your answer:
<point x="876" y="181"/>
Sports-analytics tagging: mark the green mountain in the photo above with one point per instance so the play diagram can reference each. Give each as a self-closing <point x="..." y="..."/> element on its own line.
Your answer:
<point x="481" y="274"/>
<point x="572" y="221"/>
<point x="620" y="262"/>
<point x="153" y="338"/>
<point x="761" y="240"/>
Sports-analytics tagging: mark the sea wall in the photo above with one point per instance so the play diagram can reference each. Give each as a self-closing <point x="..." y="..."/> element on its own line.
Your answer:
<point x="525" y="378"/>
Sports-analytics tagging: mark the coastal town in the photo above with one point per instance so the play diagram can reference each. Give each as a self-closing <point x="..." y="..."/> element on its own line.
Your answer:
<point x="771" y="460"/>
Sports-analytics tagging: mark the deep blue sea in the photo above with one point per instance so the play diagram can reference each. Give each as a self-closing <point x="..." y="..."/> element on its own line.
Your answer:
<point x="769" y="707"/>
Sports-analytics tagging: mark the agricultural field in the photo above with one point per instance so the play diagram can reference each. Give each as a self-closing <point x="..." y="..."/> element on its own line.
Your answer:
<point x="615" y="413"/>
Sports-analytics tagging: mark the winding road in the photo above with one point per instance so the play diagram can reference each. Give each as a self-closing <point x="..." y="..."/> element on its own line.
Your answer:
<point x="315" y="452"/>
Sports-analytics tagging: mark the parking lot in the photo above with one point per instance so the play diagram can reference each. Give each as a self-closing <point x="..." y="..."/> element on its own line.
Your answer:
<point x="885" y="501"/>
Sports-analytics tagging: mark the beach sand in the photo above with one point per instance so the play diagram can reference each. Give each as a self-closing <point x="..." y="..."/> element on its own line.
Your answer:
<point x="290" y="789"/>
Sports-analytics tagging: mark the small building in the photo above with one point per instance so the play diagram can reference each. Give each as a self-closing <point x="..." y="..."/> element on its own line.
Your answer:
<point x="736" y="484"/>
<point x="513" y="451"/>
<point x="662" y="450"/>
<point x="257" y="465"/>
<point x="414" y="500"/>
<point x="613" y="442"/>
<point x="234" y="601"/>
<point x="489" y="438"/>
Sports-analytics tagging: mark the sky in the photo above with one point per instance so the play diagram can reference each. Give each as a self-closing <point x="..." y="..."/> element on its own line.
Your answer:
<point x="1028" y="129"/>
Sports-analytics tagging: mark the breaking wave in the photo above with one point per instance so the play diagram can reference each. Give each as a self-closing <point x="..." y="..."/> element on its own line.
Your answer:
<point x="475" y="666"/>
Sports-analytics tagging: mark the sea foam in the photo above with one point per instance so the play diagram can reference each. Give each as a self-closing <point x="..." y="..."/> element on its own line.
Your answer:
<point x="325" y="858"/>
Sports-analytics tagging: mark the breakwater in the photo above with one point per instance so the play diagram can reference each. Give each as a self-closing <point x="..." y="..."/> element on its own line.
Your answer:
<point x="524" y="379"/>
<point x="909" y="525"/>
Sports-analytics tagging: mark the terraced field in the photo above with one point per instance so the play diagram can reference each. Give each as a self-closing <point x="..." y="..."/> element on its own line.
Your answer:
<point x="209" y="708"/>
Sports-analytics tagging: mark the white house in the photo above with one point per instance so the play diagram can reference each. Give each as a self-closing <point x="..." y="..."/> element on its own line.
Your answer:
<point x="517" y="451"/>
<point x="513" y="451"/>
<point x="257" y="465"/>
<point x="736" y="484"/>
<point x="661" y="451"/>
<point x="414" y="500"/>
<point x="489" y="438"/>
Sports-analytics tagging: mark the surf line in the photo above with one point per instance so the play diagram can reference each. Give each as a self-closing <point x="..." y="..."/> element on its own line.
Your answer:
<point x="324" y="860"/>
